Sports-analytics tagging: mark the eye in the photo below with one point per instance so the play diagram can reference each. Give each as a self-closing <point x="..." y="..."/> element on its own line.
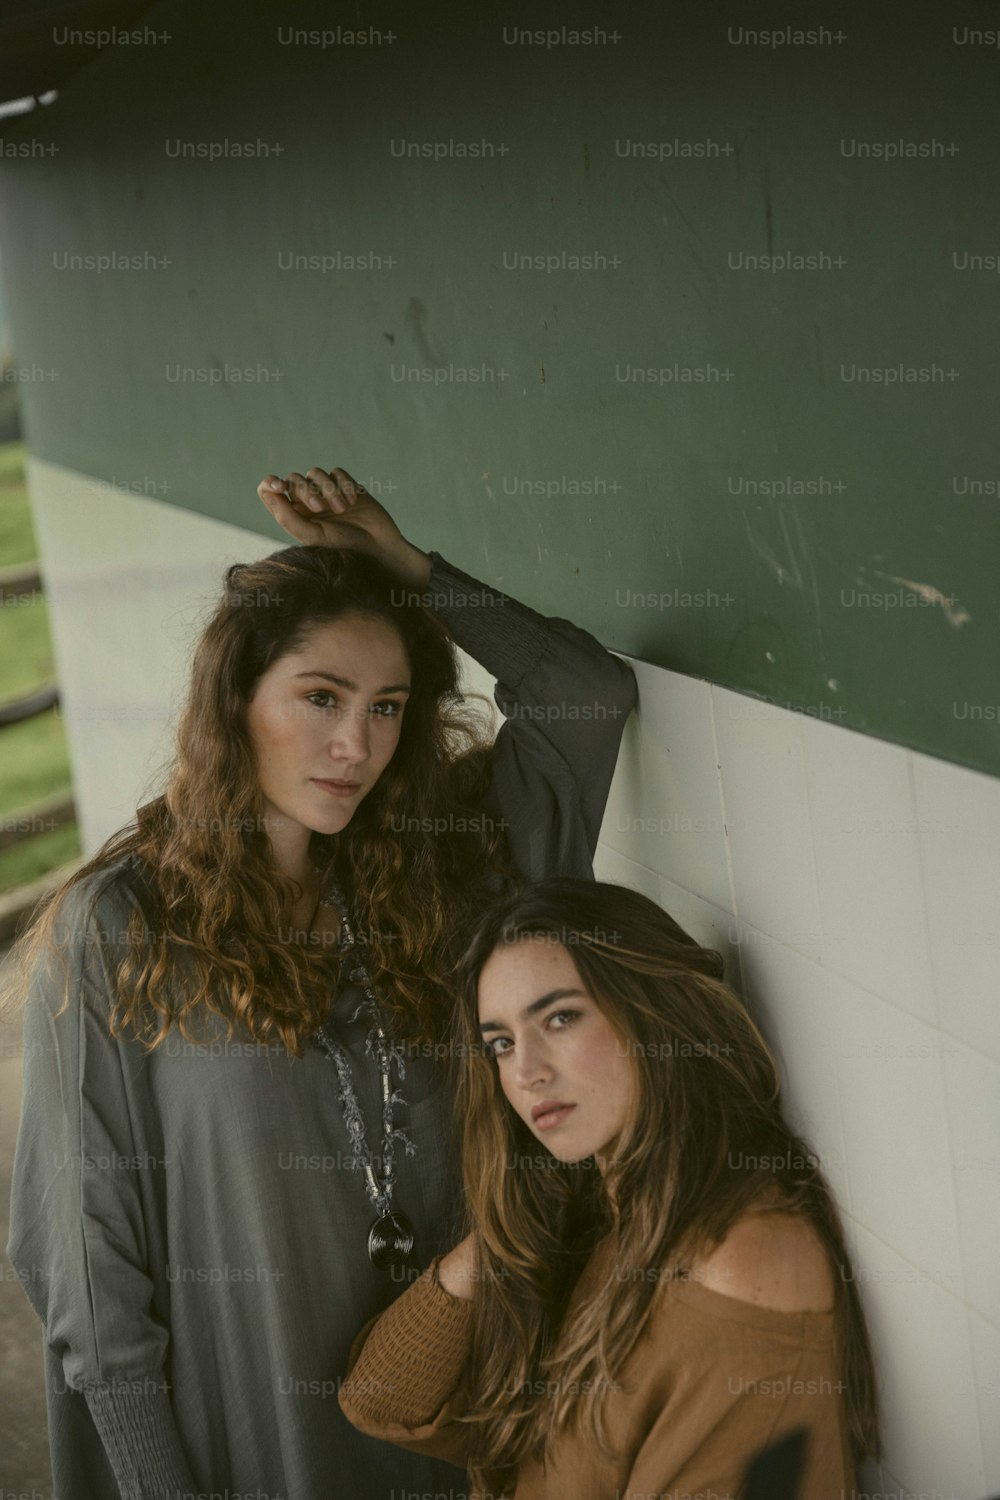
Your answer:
<point x="568" y="1016"/>
<point x="390" y="708"/>
<point x="498" y="1047"/>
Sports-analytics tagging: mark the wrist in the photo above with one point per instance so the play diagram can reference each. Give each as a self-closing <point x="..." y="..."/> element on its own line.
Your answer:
<point x="411" y="566"/>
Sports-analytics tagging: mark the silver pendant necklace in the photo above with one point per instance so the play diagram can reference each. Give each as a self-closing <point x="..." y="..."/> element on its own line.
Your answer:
<point x="390" y="1236"/>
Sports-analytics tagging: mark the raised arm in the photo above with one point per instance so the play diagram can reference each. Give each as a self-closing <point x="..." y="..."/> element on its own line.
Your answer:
<point x="566" y="699"/>
<point x="78" y="1236"/>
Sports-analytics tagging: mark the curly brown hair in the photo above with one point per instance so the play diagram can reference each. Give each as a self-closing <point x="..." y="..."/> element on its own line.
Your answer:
<point x="205" y="930"/>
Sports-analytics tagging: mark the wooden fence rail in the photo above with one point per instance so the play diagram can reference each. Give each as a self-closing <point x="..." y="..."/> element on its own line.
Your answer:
<point x="52" y="812"/>
<point x="22" y="578"/>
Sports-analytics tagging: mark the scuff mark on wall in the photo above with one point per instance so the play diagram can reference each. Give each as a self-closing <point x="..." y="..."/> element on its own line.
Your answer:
<point x="767" y="213"/>
<point x="688" y="224"/>
<point x="789" y="569"/>
<point x="793" y="566"/>
<point x="416" y="314"/>
<point x="805" y="563"/>
<point x="953" y="613"/>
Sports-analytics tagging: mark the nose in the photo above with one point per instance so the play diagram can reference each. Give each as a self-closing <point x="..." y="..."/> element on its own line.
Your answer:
<point x="350" y="740"/>
<point x="531" y="1064"/>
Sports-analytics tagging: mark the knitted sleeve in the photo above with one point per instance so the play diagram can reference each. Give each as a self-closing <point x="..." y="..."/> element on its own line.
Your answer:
<point x="404" y="1371"/>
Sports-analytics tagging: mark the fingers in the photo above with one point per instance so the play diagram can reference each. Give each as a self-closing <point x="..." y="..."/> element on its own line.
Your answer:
<point x="350" y="488"/>
<point x="316" y="492"/>
<point x="306" y="493"/>
<point x="286" y="513"/>
<point x="336" y="486"/>
<point x="320" y="491"/>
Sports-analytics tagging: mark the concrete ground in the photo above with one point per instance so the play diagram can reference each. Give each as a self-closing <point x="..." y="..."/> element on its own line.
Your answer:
<point x="24" y="1450"/>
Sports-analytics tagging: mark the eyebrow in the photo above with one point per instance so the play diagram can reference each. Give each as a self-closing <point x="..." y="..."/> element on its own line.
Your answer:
<point x="536" y="1005"/>
<point x="345" y="682"/>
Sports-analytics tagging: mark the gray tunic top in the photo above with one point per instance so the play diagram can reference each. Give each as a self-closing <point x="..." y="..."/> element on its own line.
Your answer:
<point x="186" y="1223"/>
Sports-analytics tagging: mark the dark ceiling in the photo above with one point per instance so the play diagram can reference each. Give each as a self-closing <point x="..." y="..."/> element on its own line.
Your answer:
<point x="32" y="61"/>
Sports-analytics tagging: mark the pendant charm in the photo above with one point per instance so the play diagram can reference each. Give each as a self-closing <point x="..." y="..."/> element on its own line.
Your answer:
<point x="390" y="1240"/>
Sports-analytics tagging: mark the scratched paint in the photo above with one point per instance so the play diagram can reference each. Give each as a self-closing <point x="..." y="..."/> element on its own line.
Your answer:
<point x="786" y="568"/>
<point x="416" y="314"/>
<point x="954" y="614"/>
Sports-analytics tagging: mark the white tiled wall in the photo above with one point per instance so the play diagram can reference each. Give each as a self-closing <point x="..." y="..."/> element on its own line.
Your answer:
<point x="857" y="887"/>
<point x="853" y="887"/>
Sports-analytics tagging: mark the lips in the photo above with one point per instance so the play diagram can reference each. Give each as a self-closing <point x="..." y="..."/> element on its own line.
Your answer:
<point x="339" y="788"/>
<point x="550" y="1113"/>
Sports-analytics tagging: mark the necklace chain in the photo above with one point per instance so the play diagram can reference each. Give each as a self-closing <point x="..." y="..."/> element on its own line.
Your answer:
<point x="386" y="1053"/>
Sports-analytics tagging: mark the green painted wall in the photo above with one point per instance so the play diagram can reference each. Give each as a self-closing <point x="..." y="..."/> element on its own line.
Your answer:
<point x="494" y="473"/>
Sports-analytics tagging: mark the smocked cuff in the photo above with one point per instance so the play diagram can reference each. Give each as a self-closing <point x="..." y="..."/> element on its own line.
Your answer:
<point x="135" y="1422"/>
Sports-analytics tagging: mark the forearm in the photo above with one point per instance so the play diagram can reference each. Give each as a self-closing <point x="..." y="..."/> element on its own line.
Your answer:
<point x="565" y="700"/>
<point x="511" y="640"/>
<point x="410" y="565"/>
<point x="135" y="1422"/>
<point x="410" y="1360"/>
<point x="93" y="1291"/>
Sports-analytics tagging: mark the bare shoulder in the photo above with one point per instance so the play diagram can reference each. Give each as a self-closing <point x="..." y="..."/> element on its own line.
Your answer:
<point x="773" y="1259"/>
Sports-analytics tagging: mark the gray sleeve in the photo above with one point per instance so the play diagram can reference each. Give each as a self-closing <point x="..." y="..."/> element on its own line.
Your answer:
<point x="566" y="701"/>
<point x="77" y="1236"/>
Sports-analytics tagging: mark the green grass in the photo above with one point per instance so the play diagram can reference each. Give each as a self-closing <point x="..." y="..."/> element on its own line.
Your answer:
<point x="35" y="761"/>
<point x="26" y="659"/>
<point x="34" y="755"/>
<point x="17" y="535"/>
<point x="37" y="856"/>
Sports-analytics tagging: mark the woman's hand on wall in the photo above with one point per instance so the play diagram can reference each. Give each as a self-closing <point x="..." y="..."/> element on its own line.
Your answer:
<point x="329" y="508"/>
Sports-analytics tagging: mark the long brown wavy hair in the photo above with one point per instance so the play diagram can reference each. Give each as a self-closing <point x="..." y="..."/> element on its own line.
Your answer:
<point x="418" y="858"/>
<point x="703" y="1141"/>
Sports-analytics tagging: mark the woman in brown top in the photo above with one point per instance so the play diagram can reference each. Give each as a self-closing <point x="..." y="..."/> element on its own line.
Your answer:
<point x="655" y="1299"/>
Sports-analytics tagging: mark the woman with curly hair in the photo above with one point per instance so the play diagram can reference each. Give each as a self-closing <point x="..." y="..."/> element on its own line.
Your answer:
<point x="234" y="1135"/>
<point x="655" y="1298"/>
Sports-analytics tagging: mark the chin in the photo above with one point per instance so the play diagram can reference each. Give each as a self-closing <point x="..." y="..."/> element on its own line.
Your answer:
<point x="335" y="820"/>
<point x="336" y="824"/>
<point x="570" y="1155"/>
<point x="338" y="815"/>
